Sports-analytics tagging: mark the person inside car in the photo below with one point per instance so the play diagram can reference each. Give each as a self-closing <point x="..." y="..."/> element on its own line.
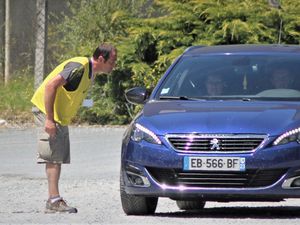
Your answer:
<point x="281" y="79"/>
<point x="214" y="84"/>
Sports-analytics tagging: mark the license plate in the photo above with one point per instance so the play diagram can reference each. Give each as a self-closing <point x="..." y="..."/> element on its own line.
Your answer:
<point x="214" y="163"/>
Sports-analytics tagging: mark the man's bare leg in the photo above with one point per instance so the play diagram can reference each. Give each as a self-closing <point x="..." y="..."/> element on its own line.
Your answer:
<point x="55" y="203"/>
<point x="53" y="175"/>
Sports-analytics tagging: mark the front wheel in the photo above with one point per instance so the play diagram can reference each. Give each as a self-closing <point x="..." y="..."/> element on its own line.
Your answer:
<point x="136" y="205"/>
<point x="190" y="205"/>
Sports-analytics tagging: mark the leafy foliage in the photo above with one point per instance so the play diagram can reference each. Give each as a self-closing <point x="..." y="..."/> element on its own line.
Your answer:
<point x="149" y="35"/>
<point x="93" y="22"/>
<point x="15" y="98"/>
<point x="203" y="22"/>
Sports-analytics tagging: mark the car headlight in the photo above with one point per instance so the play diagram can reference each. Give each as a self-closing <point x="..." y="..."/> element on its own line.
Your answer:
<point x="140" y="133"/>
<point x="289" y="136"/>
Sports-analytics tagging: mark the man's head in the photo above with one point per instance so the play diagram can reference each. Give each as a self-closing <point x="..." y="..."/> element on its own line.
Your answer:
<point x="104" y="58"/>
<point x="214" y="84"/>
<point x="281" y="78"/>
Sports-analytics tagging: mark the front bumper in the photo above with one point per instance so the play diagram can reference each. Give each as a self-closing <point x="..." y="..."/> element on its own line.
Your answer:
<point x="142" y="156"/>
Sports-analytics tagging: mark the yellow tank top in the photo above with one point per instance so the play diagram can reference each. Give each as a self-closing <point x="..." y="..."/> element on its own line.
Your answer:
<point x="66" y="102"/>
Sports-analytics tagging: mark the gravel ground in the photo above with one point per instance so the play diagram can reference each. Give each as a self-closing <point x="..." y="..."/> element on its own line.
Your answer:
<point x="91" y="183"/>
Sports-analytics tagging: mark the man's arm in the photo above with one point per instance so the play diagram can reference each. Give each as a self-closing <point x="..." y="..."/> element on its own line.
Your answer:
<point x="50" y="94"/>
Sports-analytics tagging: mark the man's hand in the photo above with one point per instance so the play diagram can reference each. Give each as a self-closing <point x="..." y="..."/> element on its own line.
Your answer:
<point x="50" y="128"/>
<point x="50" y="94"/>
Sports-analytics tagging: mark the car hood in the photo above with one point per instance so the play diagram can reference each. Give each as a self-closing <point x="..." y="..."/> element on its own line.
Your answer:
<point x="259" y="117"/>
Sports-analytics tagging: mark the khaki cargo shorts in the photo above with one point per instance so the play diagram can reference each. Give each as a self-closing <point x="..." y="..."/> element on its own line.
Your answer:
<point x="53" y="150"/>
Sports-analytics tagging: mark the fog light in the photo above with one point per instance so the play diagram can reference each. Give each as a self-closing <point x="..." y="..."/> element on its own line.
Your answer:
<point x="296" y="183"/>
<point x="292" y="183"/>
<point x="138" y="180"/>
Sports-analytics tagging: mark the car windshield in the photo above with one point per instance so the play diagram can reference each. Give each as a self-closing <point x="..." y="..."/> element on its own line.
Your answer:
<point x="247" y="77"/>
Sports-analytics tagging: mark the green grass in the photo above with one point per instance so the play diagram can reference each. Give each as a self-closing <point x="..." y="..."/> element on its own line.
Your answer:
<point x="15" y="105"/>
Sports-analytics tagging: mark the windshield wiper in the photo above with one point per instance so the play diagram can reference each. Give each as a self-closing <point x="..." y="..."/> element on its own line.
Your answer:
<point x="177" y="98"/>
<point x="246" y="99"/>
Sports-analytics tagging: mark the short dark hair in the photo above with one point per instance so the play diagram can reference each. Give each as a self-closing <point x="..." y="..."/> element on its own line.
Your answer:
<point x="103" y="50"/>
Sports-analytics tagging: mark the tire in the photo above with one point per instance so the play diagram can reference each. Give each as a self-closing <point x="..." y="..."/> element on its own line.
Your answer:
<point x="190" y="205"/>
<point x="136" y="205"/>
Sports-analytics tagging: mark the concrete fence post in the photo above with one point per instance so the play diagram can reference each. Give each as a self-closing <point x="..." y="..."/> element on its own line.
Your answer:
<point x="7" y="60"/>
<point x="41" y="41"/>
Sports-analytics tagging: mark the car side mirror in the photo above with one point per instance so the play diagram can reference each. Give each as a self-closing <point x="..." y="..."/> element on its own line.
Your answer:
<point x="137" y="95"/>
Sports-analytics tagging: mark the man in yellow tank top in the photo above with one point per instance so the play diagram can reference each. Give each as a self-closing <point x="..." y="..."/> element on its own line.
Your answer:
<point x="56" y="101"/>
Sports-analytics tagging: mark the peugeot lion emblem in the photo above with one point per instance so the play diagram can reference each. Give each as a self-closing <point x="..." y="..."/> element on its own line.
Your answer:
<point x="214" y="144"/>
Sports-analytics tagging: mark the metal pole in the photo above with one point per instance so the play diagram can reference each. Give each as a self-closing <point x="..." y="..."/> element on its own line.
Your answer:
<point x="41" y="31"/>
<point x="280" y="32"/>
<point x="274" y="3"/>
<point x="7" y="64"/>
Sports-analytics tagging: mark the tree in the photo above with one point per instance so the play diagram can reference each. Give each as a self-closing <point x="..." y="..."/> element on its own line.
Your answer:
<point x="183" y="23"/>
<point x="151" y="37"/>
<point x="92" y="22"/>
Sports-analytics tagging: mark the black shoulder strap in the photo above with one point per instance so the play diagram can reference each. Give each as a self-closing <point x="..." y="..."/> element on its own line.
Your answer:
<point x="90" y="68"/>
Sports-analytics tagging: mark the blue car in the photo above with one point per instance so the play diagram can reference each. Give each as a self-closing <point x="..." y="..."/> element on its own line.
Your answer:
<point x="222" y="124"/>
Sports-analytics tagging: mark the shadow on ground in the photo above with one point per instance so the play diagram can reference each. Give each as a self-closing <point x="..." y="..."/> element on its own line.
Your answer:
<point x="280" y="212"/>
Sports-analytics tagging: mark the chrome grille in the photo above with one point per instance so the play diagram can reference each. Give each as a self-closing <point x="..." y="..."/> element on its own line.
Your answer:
<point x="211" y="142"/>
<point x="214" y="179"/>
